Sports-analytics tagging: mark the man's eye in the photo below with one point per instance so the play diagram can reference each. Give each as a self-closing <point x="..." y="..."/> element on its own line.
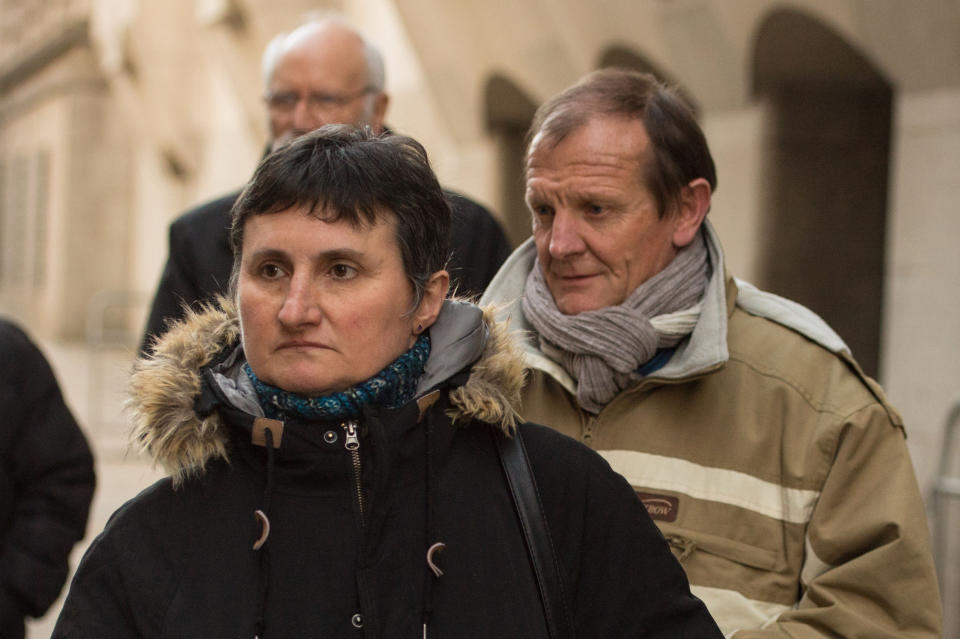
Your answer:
<point x="283" y="99"/>
<point x="325" y="100"/>
<point x="542" y="209"/>
<point x="595" y="209"/>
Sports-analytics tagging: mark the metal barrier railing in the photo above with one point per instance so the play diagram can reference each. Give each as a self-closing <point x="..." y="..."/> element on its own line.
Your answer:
<point x="946" y="487"/>
<point x="108" y="326"/>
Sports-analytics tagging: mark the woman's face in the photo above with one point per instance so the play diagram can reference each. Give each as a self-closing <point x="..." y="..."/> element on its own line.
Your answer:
<point x="323" y="306"/>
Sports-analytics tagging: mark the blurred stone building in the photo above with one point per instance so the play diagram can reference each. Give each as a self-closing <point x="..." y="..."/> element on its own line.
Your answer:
<point x="835" y="125"/>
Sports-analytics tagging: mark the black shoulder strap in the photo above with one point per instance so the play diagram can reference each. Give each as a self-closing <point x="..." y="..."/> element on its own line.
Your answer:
<point x="543" y="555"/>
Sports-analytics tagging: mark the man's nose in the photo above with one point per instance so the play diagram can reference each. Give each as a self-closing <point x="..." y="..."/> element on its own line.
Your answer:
<point x="300" y="306"/>
<point x="565" y="235"/>
<point x="304" y="118"/>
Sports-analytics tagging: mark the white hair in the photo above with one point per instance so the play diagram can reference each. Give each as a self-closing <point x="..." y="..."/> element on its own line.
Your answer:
<point x="376" y="73"/>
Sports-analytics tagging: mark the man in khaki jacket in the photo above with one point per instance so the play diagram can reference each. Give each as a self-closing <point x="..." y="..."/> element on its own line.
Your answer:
<point x="777" y="470"/>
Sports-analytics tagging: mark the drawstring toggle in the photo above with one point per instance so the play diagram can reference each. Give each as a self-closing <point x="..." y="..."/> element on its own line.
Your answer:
<point x="437" y="547"/>
<point x="264" y="521"/>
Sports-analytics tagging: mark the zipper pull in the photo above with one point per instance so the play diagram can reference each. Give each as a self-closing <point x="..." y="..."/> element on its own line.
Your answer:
<point x="352" y="441"/>
<point x="683" y="546"/>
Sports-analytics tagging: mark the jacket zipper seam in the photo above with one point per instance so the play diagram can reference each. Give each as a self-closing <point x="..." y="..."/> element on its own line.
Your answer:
<point x="352" y="445"/>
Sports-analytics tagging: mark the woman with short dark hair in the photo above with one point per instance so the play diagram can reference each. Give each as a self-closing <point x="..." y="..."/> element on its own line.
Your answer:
<point x="337" y="438"/>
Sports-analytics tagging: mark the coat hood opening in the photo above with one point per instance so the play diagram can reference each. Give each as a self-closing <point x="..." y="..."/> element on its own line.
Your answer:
<point x="165" y="385"/>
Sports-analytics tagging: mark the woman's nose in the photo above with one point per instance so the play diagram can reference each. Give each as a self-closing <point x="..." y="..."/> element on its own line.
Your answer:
<point x="300" y="305"/>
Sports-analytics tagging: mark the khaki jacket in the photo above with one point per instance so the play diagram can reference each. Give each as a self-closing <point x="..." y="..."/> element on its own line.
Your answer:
<point x="777" y="470"/>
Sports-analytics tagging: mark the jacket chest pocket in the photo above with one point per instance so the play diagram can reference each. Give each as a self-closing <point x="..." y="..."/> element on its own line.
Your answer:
<point x="688" y="544"/>
<point x="743" y="585"/>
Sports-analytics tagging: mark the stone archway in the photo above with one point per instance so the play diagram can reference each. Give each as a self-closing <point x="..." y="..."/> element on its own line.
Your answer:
<point x="825" y="172"/>
<point x="509" y="111"/>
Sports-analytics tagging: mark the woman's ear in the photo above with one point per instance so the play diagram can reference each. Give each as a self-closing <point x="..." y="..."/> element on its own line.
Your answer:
<point x="434" y="292"/>
<point x="694" y="204"/>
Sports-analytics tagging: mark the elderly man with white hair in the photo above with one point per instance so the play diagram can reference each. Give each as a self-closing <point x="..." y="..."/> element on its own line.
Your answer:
<point x="323" y="72"/>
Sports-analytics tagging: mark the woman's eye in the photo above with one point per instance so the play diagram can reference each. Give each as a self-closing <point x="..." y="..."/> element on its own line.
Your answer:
<point x="342" y="271"/>
<point x="271" y="271"/>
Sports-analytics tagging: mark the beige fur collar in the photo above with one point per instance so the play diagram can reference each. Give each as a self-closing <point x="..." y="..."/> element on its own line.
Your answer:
<point x="164" y="387"/>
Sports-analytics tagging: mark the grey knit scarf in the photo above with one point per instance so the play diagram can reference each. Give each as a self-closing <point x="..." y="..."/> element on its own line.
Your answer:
<point x="602" y="349"/>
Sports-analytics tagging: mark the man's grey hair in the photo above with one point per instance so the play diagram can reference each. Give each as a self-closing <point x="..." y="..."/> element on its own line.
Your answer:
<point x="679" y="150"/>
<point x="376" y="73"/>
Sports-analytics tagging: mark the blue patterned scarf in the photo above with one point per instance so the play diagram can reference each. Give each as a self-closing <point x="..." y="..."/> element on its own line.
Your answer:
<point x="392" y="387"/>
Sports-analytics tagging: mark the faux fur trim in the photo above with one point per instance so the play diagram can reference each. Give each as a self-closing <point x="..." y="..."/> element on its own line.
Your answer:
<point x="165" y="385"/>
<point x="492" y="392"/>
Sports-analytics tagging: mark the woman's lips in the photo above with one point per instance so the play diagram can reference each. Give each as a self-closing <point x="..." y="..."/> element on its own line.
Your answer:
<point x="300" y="344"/>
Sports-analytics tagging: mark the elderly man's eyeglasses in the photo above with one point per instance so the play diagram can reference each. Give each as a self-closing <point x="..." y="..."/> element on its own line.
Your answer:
<point x="317" y="101"/>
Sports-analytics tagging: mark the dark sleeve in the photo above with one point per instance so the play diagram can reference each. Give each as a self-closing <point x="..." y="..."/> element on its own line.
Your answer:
<point x="478" y="246"/>
<point x="47" y="477"/>
<point x="97" y="605"/>
<point x="127" y="577"/>
<point x="175" y="289"/>
<point x="622" y="579"/>
<point x="198" y="265"/>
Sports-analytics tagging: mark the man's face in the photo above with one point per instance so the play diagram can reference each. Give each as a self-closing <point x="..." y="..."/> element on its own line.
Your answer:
<point x="321" y="79"/>
<point x="596" y="225"/>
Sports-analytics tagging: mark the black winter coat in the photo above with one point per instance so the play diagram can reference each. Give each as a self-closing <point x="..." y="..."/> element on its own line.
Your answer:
<point x="200" y="258"/>
<point x="344" y="559"/>
<point x="46" y="482"/>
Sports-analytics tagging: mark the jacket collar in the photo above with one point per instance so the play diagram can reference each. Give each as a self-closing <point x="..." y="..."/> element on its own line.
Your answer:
<point x="165" y="387"/>
<point x="704" y="350"/>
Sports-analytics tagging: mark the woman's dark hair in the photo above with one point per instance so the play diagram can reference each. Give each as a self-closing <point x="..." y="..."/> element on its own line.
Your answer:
<point x="680" y="152"/>
<point x="340" y="172"/>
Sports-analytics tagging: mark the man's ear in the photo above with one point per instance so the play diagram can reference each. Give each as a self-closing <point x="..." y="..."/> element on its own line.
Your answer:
<point x="434" y="292"/>
<point x="694" y="204"/>
<point x="379" y="114"/>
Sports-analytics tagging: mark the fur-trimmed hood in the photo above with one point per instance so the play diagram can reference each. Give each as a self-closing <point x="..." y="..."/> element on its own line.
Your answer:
<point x="165" y="386"/>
